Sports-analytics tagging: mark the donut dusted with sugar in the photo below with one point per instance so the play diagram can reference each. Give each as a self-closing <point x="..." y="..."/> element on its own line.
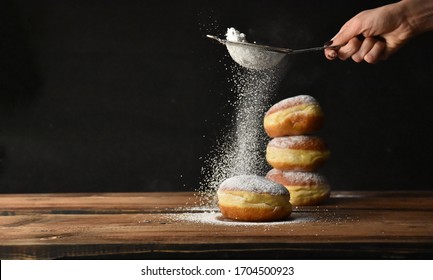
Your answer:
<point x="297" y="153"/>
<point x="297" y="115"/>
<point x="306" y="188"/>
<point x="253" y="198"/>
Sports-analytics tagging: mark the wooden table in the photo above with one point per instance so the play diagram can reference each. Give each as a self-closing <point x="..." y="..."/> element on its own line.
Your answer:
<point x="172" y="225"/>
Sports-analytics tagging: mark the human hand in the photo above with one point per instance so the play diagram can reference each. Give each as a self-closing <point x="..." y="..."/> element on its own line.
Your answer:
<point x="373" y="35"/>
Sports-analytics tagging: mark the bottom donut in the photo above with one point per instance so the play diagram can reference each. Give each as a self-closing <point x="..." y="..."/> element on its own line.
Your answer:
<point x="253" y="198"/>
<point x="306" y="188"/>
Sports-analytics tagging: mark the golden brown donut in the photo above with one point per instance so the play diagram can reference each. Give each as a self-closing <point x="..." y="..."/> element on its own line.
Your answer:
<point x="253" y="198"/>
<point x="297" y="115"/>
<point x="306" y="188"/>
<point x="298" y="153"/>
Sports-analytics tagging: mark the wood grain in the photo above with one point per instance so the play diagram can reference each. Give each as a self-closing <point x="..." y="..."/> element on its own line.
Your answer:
<point x="99" y="202"/>
<point x="80" y="225"/>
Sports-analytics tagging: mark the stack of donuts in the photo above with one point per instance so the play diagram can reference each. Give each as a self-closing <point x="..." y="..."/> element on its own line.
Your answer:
<point x="293" y="152"/>
<point x="295" y="155"/>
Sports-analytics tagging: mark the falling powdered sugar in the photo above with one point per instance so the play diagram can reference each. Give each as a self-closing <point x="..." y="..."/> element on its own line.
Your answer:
<point x="241" y="148"/>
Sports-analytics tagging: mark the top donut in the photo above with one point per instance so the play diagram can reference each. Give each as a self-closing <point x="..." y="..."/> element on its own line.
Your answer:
<point x="297" y="115"/>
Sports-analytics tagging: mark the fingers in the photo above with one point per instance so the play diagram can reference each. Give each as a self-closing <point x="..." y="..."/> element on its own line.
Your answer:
<point x="344" y="52"/>
<point x="352" y="47"/>
<point x="370" y="50"/>
<point x="348" y="31"/>
<point x="376" y="53"/>
<point x="364" y="49"/>
<point x="331" y="54"/>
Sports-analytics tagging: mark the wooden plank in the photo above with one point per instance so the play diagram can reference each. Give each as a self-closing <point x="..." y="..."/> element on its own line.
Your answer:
<point x="378" y="200"/>
<point x="96" y="202"/>
<point x="162" y="202"/>
<point x="54" y="236"/>
<point x="342" y="226"/>
<point x="390" y="250"/>
<point x="46" y="226"/>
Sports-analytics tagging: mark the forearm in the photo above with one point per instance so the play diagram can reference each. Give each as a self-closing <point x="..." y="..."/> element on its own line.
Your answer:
<point x="419" y="15"/>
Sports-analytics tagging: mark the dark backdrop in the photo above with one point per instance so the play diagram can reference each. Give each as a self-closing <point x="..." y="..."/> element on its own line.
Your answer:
<point x="129" y="95"/>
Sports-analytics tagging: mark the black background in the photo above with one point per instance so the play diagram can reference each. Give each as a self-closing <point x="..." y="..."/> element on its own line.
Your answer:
<point x="130" y="95"/>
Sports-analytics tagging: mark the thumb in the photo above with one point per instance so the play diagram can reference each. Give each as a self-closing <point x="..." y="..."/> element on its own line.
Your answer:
<point x="348" y="31"/>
